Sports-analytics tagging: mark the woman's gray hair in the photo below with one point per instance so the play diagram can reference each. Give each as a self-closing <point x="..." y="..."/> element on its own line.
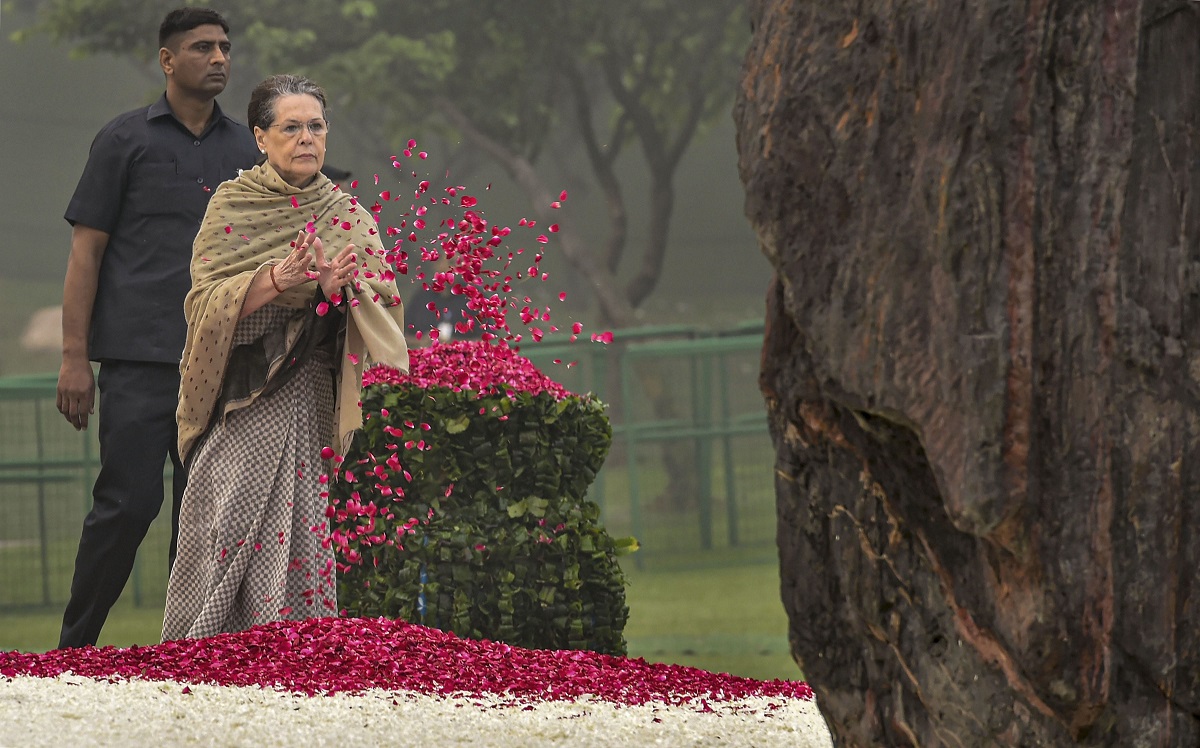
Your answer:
<point x="261" y="112"/>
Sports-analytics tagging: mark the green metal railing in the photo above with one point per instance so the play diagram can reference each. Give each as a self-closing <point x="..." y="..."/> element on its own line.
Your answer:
<point x="718" y="412"/>
<point x="45" y="470"/>
<point x="46" y="474"/>
<point x="708" y="380"/>
<point x="706" y="358"/>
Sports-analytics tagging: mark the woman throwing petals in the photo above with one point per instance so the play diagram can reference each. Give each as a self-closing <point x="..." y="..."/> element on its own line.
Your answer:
<point x="278" y="333"/>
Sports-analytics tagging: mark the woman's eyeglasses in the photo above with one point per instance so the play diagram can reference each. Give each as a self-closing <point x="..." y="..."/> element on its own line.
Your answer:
<point x="318" y="128"/>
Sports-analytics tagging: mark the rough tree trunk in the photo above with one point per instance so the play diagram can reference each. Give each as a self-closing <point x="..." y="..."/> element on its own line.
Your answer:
<point x="982" y="363"/>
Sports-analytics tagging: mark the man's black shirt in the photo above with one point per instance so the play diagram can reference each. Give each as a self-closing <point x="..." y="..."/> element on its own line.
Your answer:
<point x="147" y="183"/>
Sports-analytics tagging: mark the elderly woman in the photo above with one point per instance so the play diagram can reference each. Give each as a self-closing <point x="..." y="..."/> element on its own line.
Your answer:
<point x="278" y="332"/>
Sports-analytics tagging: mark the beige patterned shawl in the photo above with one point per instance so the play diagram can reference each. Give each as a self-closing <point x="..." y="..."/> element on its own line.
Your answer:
<point x="250" y="223"/>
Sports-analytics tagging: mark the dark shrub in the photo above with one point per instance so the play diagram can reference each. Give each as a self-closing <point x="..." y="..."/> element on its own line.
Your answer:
<point x="461" y="504"/>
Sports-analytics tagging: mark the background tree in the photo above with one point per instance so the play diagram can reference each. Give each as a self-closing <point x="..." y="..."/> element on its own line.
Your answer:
<point x="982" y="362"/>
<point x="507" y="78"/>
<point x="506" y="81"/>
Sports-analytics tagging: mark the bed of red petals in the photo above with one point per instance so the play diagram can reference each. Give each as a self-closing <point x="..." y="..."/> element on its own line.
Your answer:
<point x="352" y="655"/>
<point x="487" y="368"/>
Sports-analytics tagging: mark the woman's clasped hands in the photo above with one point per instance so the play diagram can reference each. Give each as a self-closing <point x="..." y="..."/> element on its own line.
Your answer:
<point x="307" y="261"/>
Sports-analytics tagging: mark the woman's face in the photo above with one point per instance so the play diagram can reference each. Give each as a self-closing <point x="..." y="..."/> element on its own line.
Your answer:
<point x="295" y="141"/>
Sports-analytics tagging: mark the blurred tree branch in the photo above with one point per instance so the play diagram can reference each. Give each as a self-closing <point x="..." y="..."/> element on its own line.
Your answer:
<point x="507" y="77"/>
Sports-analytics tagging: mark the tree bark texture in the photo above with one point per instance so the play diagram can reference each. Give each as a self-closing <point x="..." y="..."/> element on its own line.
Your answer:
<point x="982" y="362"/>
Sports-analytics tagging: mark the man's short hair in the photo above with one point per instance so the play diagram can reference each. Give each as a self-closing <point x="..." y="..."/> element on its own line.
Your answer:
<point x="182" y="20"/>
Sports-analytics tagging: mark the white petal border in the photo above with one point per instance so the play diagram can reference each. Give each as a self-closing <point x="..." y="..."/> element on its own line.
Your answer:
<point x="77" y="711"/>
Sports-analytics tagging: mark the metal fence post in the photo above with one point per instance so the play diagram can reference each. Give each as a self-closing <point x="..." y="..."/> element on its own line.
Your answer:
<point x="631" y="454"/>
<point x="731" y="512"/>
<point x="702" y="418"/>
<point x="43" y="538"/>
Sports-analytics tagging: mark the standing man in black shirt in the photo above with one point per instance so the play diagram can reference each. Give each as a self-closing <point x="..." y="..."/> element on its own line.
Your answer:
<point x="134" y="215"/>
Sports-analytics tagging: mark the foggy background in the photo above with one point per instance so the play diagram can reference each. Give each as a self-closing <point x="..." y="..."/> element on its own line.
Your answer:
<point x="52" y="104"/>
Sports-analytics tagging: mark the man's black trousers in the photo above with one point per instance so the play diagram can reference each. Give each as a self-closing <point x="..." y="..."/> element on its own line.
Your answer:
<point x="137" y="434"/>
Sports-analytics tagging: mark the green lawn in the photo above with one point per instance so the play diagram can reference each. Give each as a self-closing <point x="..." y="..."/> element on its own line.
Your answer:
<point x="37" y="631"/>
<point x="719" y="619"/>
<point x="723" y="619"/>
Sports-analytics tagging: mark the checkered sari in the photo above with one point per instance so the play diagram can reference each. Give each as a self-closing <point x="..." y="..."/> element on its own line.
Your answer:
<point x="253" y="521"/>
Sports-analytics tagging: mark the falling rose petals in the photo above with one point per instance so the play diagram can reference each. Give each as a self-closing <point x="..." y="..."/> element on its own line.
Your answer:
<point x="228" y="229"/>
<point x="322" y="309"/>
<point x="457" y="230"/>
<point x="295" y="202"/>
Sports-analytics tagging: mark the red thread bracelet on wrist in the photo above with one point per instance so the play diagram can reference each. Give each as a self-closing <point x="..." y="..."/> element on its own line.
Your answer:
<point x="273" y="283"/>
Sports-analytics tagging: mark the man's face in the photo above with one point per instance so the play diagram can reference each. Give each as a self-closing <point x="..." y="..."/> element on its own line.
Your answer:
<point x="198" y="61"/>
